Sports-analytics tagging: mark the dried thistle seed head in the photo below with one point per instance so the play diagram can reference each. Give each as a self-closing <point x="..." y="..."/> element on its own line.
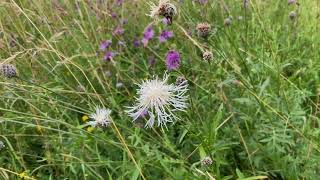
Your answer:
<point x="203" y="29"/>
<point x="80" y="88"/>
<point x="228" y="21"/>
<point x="168" y="10"/>
<point x="207" y="161"/>
<point x="164" y="8"/>
<point x="207" y="56"/>
<point x="292" y="15"/>
<point x="8" y="70"/>
<point x="180" y="80"/>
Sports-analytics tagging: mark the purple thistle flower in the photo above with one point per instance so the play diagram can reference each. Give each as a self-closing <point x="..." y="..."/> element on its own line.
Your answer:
<point x="173" y="60"/>
<point x="105" y="44"/>
<point x="165" y="35"/>
<point x="147" y="35"/>
<point x="109" y="55"/>
<point x="136" y="42"/>
<point x="114" y="15"/>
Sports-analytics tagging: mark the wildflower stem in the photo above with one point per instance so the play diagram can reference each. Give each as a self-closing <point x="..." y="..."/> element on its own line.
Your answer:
<point x="191" y="39"/>
<point x="39" y="86"/>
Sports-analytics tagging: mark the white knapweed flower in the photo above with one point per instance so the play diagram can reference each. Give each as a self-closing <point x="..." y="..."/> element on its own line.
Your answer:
<point x="100" y="118"/>
<point x="159" y="100"/>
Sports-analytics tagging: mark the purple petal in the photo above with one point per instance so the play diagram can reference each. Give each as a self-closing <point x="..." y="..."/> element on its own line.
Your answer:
<point x="162" y="39"/>
<point x="145" y="42"/>
<point x="165" y="21"/>
<point x="148" y="33"/>
<point x="114" y="15"/>
<point x="173" y="60"/>
<point x="109" y="55"/>
<point x="136" y="43"/>
<point x="105" y="44"/>
<point x="118" y="31"/>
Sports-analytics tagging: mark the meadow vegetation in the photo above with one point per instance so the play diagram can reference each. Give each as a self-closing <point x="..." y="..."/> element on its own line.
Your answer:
<point x="248" y="74"/>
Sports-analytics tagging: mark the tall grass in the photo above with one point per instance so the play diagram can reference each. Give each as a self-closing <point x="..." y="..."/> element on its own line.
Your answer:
<point x="254" y="109"/>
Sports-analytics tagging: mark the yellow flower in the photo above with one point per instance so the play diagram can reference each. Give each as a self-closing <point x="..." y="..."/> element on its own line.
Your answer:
<point x="85" y="118"/>
<point x="90" y="129"/>
<point x="24" y="175"/>
<point x="39" y="130"/>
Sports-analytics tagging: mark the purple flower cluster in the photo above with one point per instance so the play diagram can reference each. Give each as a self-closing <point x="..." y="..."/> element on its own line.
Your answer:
<point x="108" y="54"/>
<point x="147" y="35"/>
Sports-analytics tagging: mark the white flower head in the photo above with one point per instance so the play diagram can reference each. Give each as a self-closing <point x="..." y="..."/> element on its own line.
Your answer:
<point x="2" y="145"/>
<point x="100" y="118"/>
<point x="160" y="100"/>
<point x="164" y="8"/>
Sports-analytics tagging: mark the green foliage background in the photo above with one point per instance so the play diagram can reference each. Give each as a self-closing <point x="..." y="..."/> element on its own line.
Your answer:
<point x="254" y="109"/>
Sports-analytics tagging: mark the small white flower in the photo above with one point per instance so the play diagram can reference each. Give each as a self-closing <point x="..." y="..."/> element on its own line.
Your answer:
<point x="160" y="100"/>
<point x="100" y="117"/>
<point x="2" y="145"/>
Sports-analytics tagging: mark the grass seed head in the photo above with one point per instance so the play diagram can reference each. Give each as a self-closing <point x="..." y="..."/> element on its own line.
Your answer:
<point x="207" y="56"/>
<point x="8" y="70"/>
<point x="207" y="161"/>
<point x="203" y="29"/>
